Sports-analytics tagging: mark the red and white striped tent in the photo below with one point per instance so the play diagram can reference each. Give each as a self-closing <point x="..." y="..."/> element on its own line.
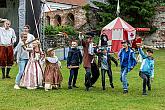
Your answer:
<point x="118" y="30"/>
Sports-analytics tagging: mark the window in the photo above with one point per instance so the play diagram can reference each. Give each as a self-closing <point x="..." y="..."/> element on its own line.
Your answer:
<point x="57" y="20"/>
<point x="70" y="19"/>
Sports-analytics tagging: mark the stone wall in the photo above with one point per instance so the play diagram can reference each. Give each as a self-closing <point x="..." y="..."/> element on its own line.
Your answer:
<point x="159" y="22"/>
<point x="74" y="16"/>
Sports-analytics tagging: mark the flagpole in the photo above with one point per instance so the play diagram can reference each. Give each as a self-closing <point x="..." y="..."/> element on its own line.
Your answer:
<point x="118" y="9"/>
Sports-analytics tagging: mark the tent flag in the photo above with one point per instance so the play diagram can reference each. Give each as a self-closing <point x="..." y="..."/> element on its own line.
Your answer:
<point x="131" y="35"/>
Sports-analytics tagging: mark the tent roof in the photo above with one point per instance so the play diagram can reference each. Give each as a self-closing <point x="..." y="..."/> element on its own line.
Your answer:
<point x="118" y="23"/>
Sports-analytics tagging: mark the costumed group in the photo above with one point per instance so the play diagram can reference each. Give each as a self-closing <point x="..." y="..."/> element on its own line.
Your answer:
<point x="38" y="69"/>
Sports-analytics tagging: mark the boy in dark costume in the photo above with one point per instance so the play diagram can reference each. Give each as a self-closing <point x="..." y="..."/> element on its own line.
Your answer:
<point x="74" y="59"/>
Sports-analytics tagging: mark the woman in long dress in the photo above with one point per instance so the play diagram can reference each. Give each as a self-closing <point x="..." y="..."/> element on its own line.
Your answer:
<point x="33" y="74"/>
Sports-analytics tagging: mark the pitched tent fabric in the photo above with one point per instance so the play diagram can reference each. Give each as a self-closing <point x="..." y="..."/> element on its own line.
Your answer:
<point x="118" y="30"/>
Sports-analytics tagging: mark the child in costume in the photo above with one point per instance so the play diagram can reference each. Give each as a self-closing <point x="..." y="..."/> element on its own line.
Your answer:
<point x="74" y="59"/>
<point x="33" y="74"/>
<point x="52" y="73"/>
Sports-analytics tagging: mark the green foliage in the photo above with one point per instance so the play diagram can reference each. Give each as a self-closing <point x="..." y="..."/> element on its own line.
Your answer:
<point x="159" y="2"/>
<point x="96" y="39"/>
<point x="138" y="13"/>
<point x="49" y="30"/>
<point x="86" y="7"/>
<point x="53" y="30"/>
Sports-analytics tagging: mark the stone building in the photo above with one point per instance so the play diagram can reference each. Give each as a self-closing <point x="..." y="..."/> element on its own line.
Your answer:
<point x="64" y="12"/>
<point x="158" y="38"/>
<point x="74" y="16"/>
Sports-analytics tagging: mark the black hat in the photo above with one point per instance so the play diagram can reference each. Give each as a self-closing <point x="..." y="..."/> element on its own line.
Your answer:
<point x="150" y="51"/>
<point x="90" y="34"/>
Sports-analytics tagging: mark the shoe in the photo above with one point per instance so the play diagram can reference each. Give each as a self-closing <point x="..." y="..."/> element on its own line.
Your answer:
<point x="7" y="76"/>
<point x="87" y="88"/>
<point x="144" y="93"/>
<point x="30" y="88"/>
<point x="3" y="73"/>
<point x="46" y="89"/>
<point x="103" y="88"/>
<point x="125" y="91"/>
<point x="112" y="86"/>
<point x="69" y="87"/>
<point x="41" y="86"/>
<point x="149" y="88"/>
<point x="48" y="86"/>
<point x="16" y="87"/>
<point x="3" y="77"/>
<point x="56" y="86"/>
<point x="74" y="86"/>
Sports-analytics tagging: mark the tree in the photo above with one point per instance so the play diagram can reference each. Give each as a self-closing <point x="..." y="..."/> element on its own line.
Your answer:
<point x="138" y="13"/>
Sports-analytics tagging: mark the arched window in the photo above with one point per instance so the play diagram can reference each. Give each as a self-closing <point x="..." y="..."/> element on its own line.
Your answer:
<point x="70" y="19"/>
<point x="57" y="20"/>
<point x="47" y="20"/>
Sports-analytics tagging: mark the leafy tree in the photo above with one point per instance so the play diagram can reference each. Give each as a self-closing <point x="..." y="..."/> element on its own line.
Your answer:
<point x="138" y="13"/>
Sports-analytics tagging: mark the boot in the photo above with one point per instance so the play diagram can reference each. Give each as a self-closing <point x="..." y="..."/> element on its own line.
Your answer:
<point x="74" y="86"/>
<point x="125" y="91"/>
<point x="69" y="87"/>
<point x="3" y="73"/>
<point x="112" y="86"/>
<point x="7" y="73"/>
<point x="103" y="87"/>
<point x="144" y="93"/>
<point x="149" y="88"/>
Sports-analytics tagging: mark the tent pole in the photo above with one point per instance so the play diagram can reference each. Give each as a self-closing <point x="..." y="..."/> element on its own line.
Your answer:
<point x="118" y="9"/>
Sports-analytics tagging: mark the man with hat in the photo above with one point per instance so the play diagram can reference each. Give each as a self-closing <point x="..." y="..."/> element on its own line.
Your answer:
<point x="127" y="63"/>
<point x="88" y="53"/>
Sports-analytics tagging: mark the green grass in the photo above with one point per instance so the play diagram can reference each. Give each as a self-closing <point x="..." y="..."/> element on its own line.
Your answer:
<point x="95" y="99"/>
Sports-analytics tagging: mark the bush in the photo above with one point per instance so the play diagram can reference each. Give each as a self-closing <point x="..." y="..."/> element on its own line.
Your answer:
<point x="53" y="30"/>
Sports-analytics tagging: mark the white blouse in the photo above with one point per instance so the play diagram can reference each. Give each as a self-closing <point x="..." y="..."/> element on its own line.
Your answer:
<point x="7" y="37"/>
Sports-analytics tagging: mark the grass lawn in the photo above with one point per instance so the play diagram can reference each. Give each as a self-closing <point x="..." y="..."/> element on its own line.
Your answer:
<point x="95" y="99"/>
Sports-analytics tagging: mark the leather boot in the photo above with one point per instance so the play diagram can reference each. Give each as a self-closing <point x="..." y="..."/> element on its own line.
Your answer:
<point x="7" y="73"/>
<point x="3" y="73"/>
